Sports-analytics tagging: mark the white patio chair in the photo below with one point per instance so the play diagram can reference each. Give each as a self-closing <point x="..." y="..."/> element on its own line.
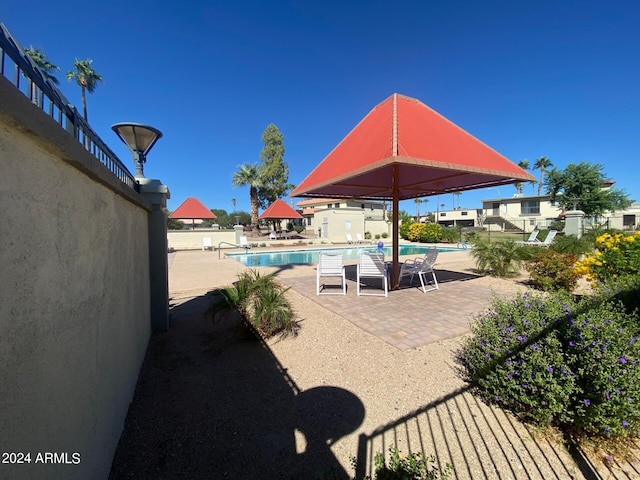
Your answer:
<point x="244" y="243"/>
<point x="330" y="265"/>
<point x="206" y="244"/>
<point x="551" y="235"/>
<point x="532" y="237"/>
<point x="349" y="238"/>
<point x="420" y="267"/>
<point x="372" y="266"/>
<point x="359" y="238"/>
<point x="273" y="236"/>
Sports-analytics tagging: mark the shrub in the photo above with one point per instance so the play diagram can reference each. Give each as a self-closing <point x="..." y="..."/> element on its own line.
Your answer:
<point x="367" y="235"/>
<point x="261" y="302"/>
<point x="377" y="236"/>
<point x="551" y="270"/>
<point x="450" y="235"/>
<point x="515" y="357"/>
<point x="617" y="254"/>
<point x="572" y="244"/>
<point x="414" y="466"/>
<point x="502" y="258"/>
<point x="384" y="235"/>
<point x="298" y="228"/>
<point x="603" y="350"/>
<point x="559" y="360"/>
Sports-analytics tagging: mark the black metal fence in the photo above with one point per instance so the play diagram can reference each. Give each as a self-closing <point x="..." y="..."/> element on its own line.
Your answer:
<point x="26" y="76"/>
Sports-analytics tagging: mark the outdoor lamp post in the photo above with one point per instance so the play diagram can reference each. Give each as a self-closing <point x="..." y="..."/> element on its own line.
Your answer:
<point x="140" y="139"/>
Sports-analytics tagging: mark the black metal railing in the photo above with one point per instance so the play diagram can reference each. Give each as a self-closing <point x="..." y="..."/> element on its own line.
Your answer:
<point x="21" y="70"/>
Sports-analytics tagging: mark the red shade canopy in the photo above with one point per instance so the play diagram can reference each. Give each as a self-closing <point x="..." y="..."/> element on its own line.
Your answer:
<point x="435" y="156"/>
<point x="192" y="209"/>
<point x="402" y="149"/>
<point x="280" y="210"/>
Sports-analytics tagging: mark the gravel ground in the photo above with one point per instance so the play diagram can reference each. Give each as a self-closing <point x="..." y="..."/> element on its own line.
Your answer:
<point x="215" y="402"/>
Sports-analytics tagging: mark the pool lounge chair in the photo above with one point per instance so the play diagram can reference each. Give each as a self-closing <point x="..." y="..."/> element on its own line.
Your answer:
<point x="551" y="235"/>
<point x="532" y="237"/>
<point x="421" y="267"/>
<point x="273" y="236"/>
<point x="244" y="243"/>
<point x="359" y="238"/>
<point x="330" y="265"/>
<point x="349" y="238"/>
<point x="372" y="266"/>
<point x="206" y="244"/>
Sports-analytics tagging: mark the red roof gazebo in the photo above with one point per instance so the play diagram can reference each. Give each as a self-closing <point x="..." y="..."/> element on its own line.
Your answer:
<point x="192" y="209"/>
<point x="403" y="149"/>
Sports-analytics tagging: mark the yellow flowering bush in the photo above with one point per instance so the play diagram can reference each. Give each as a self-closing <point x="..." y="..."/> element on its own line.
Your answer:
<point x="616" y="254"/>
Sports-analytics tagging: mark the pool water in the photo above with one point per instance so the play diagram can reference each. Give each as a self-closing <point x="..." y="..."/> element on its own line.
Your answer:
<point x="289" y="257"/>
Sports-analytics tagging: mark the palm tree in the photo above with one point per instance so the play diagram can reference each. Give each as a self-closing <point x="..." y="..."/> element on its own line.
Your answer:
<point x="248" y="175"/>
<point x="87" y="78"/>
<point x="541" y="164"/>
<point x="418" y="202"/>
<point x="524" y="164"/>
<point x="40" y="59"/>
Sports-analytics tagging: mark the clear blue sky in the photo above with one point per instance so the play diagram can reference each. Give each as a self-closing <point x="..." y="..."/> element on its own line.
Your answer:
<point x="546" y="77"/>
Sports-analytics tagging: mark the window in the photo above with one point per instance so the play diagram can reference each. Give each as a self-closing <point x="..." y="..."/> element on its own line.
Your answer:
<point x="530" y="207"/>
<point x="443" y="214"/>
<point x="362" y="206"/>
<point x="337" y="205"/>
<point x="329" y="206"/>
<point x="463" y="213"/>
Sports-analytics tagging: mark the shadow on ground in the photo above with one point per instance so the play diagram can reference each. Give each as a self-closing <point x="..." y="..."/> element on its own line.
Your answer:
<point x="213" y="402"/>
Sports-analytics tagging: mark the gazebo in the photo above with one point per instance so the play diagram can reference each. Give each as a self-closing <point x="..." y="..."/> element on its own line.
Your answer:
<point x="192" y="209"/>
<point x="402" y="149"/>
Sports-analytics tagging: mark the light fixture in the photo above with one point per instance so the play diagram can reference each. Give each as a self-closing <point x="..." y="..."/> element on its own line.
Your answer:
<point x="140" y="139"/>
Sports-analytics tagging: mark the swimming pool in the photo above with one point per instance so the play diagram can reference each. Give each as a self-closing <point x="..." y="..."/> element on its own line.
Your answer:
<point x="289" y="257"/>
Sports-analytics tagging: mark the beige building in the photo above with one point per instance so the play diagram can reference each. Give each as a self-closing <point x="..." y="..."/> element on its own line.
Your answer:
<point x="332" y="219"/>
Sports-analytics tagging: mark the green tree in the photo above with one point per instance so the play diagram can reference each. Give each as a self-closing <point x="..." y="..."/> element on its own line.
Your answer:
<point x="541" y="164"/>
<point x="248" y="175"/>
<point x="583" y="185"/>
<point x="45" y="66"/>
<point x="273" y="171"/>
<point x="524" y="164"/>
<point x="87" y="78"/>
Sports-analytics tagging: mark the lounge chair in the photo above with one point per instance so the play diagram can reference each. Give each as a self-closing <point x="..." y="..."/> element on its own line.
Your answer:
<point x="244" y="243"/>
<point x="330" y="265"/>
<point x="372" y="266"/>
<point x="420" y="267"/>
<point x="273" y="236"/>
<point x="551" y="235"/>
<point x="359" y="238"/>
<point x="349" y="238"/>
<point x="206" y="244"/>
<point x="532" y="237"/>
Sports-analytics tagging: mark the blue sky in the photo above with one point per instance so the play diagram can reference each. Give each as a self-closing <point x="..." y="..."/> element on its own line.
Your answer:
<point x="528" y="78"/>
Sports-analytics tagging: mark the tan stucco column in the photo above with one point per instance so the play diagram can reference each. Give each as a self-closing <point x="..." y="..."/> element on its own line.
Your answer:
<point x="573" y="223"/>
<point x="157" y="194"/>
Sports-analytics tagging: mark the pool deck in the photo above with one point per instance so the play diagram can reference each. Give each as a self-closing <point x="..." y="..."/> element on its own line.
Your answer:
<point x="406" y="319"/>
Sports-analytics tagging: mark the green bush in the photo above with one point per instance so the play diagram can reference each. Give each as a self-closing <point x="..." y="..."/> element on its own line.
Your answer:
<point x="550" y="270"/>
<point x="367" y="235"/>
<point x="561" y="360"/>
<point x="572" y="244"/>
<point x="414" y="466"/>
<point x="260" y="300"/>
<point x="502" y="258"/>
<point x="616" y="254"/>
<point x="450" y="235"/>
<point x="299" y="228"/>
<point x="515" y="357"/>
<point x="384" y="235"/>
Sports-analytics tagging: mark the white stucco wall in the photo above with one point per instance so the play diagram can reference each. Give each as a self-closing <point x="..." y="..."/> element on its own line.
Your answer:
<point x="74" y="302"/>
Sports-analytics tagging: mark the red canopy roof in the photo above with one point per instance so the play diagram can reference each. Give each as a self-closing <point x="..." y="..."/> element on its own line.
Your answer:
<point x="280" y="209"/>
<point x="192" y="208"/>
<point x="402" y="149"/>
<point x="435" y="156"/>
